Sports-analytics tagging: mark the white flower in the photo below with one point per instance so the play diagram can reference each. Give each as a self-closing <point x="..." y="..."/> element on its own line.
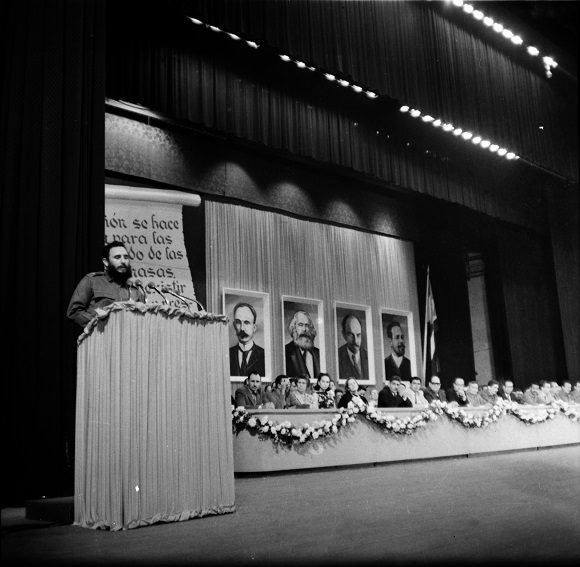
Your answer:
<point x="252" y="422"/>
<point x="334" y="429"/>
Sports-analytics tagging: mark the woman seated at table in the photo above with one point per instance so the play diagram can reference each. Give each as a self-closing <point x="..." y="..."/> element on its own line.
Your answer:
<point x="323" y="391"/>
<point x="300" y="398"/>
<point x="352" y="395"/>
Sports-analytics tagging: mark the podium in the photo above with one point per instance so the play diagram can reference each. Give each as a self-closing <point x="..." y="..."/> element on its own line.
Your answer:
<point x="153" y="418"/>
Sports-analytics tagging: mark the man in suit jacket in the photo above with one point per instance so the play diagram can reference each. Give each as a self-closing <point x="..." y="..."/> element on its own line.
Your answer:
<point x="397" y="364"/>
<point x="250" y="394"/>
<point x="302" y="357"/>
<point x="434" y="391"/>
<point x="391" y="395"/>
<point x="456" y="394"/>
<point x="246" y="356"/>
<point x="352" y="357"/>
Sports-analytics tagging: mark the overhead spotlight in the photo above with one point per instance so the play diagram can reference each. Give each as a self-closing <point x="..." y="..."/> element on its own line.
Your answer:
<point x="415" y="113"/>
<point x="284" y="57"/>
<point x="507" y="33"/>
<point x="214" y="28"/>
<point x="488" y="21"/>
<point x="356" y="88"/>
<point x="517" y="40"/>
<point x="493" y="148"/>
<point x="343" y="83"/>
<point x="510" y="155"/>
<point x="196" y="21"/>
<point x="468" y="8"/>
<point x="501" y="152"/>
<point x="448" y="127"/>
<point x="497" y="27"/>
<point x="436" y="123"/>
<point x="476" y="140"/>
<point x="234" y="36"/>
<point x="485" y="143"/>
<point x="478" y="15"/>
<point x="404" y="108"/>
<point x="311" y="68"/>
<point x="371" y="94"/>
<point x="457" y="131"/>
<point x="458" y="3"/>
<point x="533" y="50"/>
<point x="300" y="64"/>
<point x="427" y="118"/>
<point x="330" y="77"/>
<point x="253" y="44"/>
<point x="466" y="135"/>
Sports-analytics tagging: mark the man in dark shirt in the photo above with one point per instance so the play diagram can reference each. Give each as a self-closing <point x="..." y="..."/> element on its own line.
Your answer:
<point x="397" y="364"/>
<point x="456" y="394"/>
<point x="250" y="395"/>
<point x="99" y="289"/>
<point x="390" y="396"/>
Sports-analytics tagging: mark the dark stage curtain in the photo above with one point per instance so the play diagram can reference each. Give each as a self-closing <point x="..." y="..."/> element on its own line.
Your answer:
<point x="51" y="222"/>
<point x="408" y="51"/>
<point x="531" y="306"/>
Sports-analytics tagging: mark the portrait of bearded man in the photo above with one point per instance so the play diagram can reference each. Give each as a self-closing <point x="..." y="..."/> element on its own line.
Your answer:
<point x="302" y="357"/>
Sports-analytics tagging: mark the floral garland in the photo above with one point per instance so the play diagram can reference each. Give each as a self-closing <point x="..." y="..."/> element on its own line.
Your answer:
<point x="286" y="433"/>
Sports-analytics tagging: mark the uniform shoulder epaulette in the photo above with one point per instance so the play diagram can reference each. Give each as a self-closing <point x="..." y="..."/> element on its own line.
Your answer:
<point x="93" y="274"/>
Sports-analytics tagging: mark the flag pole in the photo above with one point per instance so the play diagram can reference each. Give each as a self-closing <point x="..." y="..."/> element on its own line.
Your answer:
<point x="426" y="327"/>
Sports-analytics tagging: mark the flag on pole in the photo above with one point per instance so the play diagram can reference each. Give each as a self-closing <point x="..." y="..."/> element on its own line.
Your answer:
<point x="430" y="360"/>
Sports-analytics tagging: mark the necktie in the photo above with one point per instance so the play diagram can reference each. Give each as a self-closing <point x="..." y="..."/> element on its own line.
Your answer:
<point x="356" y="365"/>
<point x="244" y="368"/>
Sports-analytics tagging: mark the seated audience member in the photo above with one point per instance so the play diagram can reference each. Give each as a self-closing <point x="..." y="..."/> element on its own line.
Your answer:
<point x="532" y="395"/>
<point x="352" y="394"/>
<point x="555" y="389"/>
<point x="323" y="391"/>
<point x="250" y="394"/>
<point x="576" y="393"/>
<point x="434" y="391"/>
<point x="456" y="394"/>
<point x="415" y="395"/>
<point x="491" y="395"/>
<point x="390" y="396"/>
<point x="300" y="398"/>
<point x="506" y="392"/>
<point x="565" y="394"/>
<point x="338" y="393"/>
<point x="474" y="398"/>
<point x="518" y="396"/>
<point x="279" y="394"/>
<point x="373" y="398"/>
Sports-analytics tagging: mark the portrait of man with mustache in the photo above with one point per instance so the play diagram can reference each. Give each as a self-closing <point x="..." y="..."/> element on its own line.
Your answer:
<point x="246" y="356"/>
<point x="302" y="357"/>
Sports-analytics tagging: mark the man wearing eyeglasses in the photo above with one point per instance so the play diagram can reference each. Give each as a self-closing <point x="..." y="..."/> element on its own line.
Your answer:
<point x="434" y="391"/>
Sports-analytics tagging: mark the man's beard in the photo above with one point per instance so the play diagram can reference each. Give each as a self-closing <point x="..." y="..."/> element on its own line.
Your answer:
<point x="305" y="341"/>
<point x="400" y="350"/>
<point x="119" y="277"/>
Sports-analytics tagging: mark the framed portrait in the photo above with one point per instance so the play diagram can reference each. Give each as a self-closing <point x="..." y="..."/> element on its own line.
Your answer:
<point x="354" y="351"/>
<point x="249" y="336"/>
<point x="398" y="344"/>
<point x="303" y="332"/>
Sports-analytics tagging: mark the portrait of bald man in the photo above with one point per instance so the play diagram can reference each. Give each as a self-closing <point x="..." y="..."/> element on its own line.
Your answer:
<point x="353" y="359"/>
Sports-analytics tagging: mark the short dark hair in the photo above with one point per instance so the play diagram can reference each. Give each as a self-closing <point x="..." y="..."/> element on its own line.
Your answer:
<point x="493" y="383"/>
<point x="543" y="383"/>
<point x="254" y="373"/>
<point x="416" y="378"/>
<point x="250" y="307"/>
<point x="279" y="379"/>
<point x="390" y="328"/>
<point x="473" y="382"/>
<point x="114" y="244"/>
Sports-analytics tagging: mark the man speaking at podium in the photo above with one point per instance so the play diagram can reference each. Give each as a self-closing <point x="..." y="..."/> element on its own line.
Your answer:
<point x="99" y="289"/>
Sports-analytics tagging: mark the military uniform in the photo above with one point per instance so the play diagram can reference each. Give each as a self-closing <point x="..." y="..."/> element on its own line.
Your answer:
<point x="97" y="290"/>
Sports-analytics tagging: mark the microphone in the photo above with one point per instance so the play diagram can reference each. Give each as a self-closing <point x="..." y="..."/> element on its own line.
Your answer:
<point x="165" y="289"/>
<point x="151" y="285"/>
<point x="137" y="283"/>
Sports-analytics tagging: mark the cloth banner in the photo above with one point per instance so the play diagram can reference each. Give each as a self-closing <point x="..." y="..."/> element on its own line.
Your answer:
<point x="150" y="223"/>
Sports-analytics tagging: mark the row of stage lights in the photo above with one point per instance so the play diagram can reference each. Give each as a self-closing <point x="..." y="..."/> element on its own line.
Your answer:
<point x="414" y="113"/>
<point x="549" y="62"/>
<point x="465" y="134"/>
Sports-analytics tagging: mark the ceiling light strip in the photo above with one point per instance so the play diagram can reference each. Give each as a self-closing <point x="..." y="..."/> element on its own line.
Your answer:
<point x="509" y="35"/>
<point x="465" y="135"/>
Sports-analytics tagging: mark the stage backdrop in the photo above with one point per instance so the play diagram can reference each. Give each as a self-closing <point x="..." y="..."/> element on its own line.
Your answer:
<point x="260" y="251"/>
<point x="150" y="223"/>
